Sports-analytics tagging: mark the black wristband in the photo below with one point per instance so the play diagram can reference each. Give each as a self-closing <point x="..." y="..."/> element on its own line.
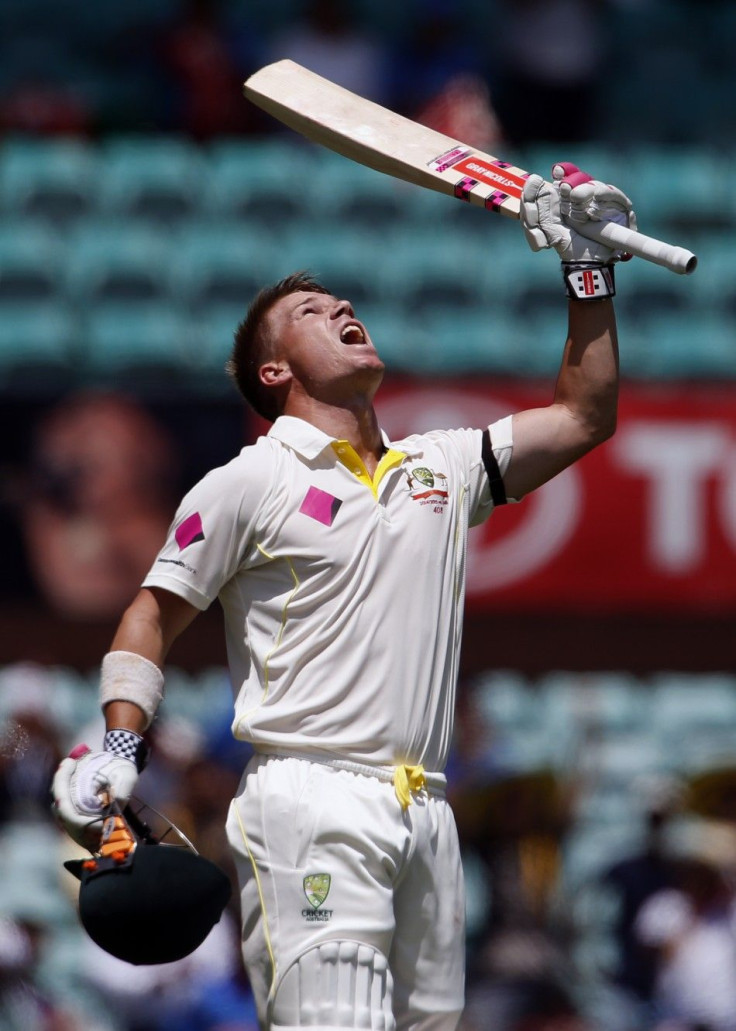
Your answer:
<point x="128" y="745"/>
<point x="588" y="280"/>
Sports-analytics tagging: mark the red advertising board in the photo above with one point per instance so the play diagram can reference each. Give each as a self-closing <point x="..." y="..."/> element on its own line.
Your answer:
<point x="646" y="522"/>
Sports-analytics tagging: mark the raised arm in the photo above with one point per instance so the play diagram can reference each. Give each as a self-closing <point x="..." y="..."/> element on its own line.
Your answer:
<point x="583" y="409"/>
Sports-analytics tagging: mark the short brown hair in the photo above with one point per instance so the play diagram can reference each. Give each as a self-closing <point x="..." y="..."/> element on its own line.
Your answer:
<point x="252" y="342"/>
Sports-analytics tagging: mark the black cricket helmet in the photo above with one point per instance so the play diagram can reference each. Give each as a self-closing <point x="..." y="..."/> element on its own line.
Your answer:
<point x="155" y="903"/>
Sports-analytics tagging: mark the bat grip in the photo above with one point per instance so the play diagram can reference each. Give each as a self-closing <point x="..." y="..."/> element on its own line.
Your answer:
<point x="677" y="259"/>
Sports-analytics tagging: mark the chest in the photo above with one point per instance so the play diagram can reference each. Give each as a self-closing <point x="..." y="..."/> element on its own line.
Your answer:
<point x="328" y="518"/>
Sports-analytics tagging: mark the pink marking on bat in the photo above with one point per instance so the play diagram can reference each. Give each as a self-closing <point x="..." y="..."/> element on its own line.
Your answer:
<point x="464" y="186"/>
<point x="448" y="159"/>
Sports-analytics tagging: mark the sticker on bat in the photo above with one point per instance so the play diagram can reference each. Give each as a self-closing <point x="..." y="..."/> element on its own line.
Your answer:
<point x="492" y="174"/>
<point x="463" y="187"/>
<point x="449" y="158"/>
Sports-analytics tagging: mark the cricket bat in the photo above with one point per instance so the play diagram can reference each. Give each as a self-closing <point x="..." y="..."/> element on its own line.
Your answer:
<point x="388" y="142"/>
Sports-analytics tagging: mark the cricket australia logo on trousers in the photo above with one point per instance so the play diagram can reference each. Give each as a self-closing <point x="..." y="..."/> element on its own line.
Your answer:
<point x="317" y="888"/>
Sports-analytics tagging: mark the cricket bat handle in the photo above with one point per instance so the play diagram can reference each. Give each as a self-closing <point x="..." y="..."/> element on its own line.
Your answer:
<point x="677" y="259"/>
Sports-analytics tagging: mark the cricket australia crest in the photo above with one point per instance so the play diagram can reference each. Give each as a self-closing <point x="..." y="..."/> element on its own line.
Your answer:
<point x="317" y="888"/>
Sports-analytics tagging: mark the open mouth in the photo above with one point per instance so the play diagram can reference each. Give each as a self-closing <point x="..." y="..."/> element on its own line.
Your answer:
<point x="352" y="333"/>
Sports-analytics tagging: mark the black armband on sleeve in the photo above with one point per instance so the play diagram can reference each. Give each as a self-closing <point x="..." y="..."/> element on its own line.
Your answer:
<point x="495" y="480"/>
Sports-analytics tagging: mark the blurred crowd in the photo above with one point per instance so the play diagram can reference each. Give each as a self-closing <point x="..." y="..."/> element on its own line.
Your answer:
<point x="523" y="70"/>
<point x="97" y="487"/>
<point x="668" y="904"/>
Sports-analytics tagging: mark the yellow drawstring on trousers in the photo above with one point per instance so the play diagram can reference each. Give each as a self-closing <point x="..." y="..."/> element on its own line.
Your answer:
<point x="406" y="780"/>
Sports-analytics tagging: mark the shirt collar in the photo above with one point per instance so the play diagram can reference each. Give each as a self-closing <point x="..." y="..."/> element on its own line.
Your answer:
<point x="310" y="442"/>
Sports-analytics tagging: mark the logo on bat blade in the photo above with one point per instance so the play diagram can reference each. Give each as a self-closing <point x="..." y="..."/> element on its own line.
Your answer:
<point x="449" y="158"/>
<point x="492" y="174"/>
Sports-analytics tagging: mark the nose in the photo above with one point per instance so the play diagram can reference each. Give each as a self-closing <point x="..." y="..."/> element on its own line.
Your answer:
<point x="341" y="308"/>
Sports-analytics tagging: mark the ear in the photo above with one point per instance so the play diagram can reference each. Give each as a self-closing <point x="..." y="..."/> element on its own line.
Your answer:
<point x="274" y="373"/>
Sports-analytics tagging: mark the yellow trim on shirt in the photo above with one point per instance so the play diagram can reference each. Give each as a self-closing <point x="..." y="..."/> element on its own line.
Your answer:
<point x="350" y="458"/>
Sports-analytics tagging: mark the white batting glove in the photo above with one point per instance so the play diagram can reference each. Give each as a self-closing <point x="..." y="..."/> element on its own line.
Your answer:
<point x="551" y="211"/>
<point x="79" y="781"/>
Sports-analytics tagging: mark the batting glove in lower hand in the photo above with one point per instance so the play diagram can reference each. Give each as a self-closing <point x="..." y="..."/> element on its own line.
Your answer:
<point x="551" y="212"/>
<point x="80" y="781"/>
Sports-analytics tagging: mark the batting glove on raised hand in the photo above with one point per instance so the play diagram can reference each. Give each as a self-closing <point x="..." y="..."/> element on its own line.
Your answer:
<point x="552" y="212"/>
<point x="80" y="781"/>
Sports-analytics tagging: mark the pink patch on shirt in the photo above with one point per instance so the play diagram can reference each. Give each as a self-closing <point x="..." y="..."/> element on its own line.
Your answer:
<point x="189" y="531"/>
<point x="320" y="505"/>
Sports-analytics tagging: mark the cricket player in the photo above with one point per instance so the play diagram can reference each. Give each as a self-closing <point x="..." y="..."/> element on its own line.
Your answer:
<point x="338" y="557"/>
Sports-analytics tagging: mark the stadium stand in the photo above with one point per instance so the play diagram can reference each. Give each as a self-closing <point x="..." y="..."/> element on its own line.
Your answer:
<point x="196" y="228"/>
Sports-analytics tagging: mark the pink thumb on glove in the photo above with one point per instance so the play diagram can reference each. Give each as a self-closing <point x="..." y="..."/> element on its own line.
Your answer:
<point x="565" y="171"/>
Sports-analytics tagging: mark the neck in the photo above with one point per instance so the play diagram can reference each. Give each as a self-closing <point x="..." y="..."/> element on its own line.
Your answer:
<point x="358" y="425"/>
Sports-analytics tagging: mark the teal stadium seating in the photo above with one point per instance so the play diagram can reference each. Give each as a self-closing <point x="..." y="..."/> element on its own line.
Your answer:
<point x="263" y="182"/>
<point x="55" y="180"/>
<point x="163" y="221"/>
<point x="159" y="180"/>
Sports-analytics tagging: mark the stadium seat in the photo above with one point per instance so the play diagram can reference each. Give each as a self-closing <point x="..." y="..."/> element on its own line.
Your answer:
<point x="31" y="257"/>
<point x="221" y="263"/>
<point x="54" y="180"/>
<point x="691" y="345"/>
<point x="506" y="699"/>
<point x="118" y="261"/>
<point x="212" y="333"/>
<point x="605" y="701"/>
<point x="159" y="178"/>
<point x="144" y="336"/>
<point x="686" y="702"/>
<point x="348" y="263"/>
<point x="36" y="339"/>
<point x="461" y="339"/>
<point x="265" y="182"/>
<point x="677" y="189"/>
<point x="345" y="191"/>
<point x="712" y="285"/>
<point x="646" y="290"/>
<point x="424" y="267"/>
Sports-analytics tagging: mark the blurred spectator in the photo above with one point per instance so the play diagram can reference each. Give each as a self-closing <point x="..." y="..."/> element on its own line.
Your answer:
<point x="439" y="76"/>
<point x="205" y="991"/>
<point x="29" y="743"/>
<point x="636" y="879"/>
<point x="523" y="985"/>
<point x="96" y="503"/>
<point x="462" y="110"/>
<point x="206" y="80"/>
<point x="691" y="930"/>
<point x="24" y="1004"/>
<point x="548" y="64"/>
<point x="328" y="41"/>
<point x="45" y="109"/>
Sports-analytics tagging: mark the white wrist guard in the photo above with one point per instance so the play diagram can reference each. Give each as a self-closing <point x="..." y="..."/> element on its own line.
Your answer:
<point x="128" y="677"/>
<point x="588" y="280"/>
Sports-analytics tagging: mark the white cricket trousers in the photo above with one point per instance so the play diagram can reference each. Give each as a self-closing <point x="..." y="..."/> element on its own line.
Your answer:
<point x="328" y="858"/>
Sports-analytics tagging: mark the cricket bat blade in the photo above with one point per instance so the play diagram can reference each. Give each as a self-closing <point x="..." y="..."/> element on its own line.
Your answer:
<point x="372" y="135"/>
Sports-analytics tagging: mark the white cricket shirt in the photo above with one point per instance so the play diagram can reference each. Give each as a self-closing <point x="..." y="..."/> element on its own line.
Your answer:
<point x="343" y="596"/>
